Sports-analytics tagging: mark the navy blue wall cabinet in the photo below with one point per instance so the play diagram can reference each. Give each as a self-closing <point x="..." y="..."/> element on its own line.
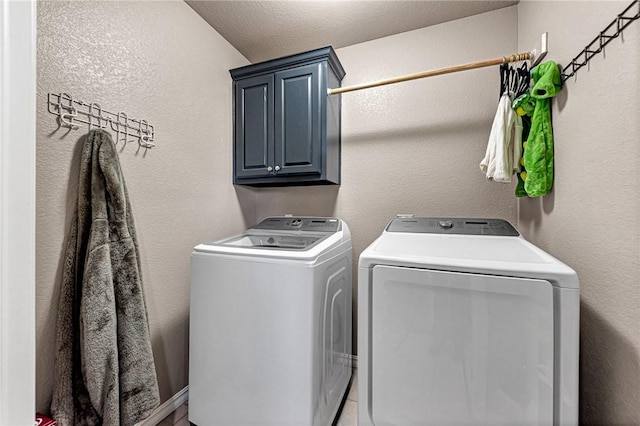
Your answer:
<point x="286" y="127"/>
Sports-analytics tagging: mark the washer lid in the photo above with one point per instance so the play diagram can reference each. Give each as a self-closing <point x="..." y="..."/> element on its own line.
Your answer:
<point x="299" y="238"/>
<point x="484" y="254"/>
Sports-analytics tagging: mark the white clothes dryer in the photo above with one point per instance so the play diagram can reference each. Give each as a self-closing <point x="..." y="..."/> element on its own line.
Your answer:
<point x="463" y="321"/>
<point x="270" y="324"/>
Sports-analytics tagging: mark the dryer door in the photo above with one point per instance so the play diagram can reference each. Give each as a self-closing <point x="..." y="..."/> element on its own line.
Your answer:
<point x="459" y="348"/>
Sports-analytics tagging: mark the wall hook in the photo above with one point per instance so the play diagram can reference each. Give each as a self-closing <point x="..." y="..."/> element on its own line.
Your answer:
<point x="145" y="136"/>
<point x="66" y="119"/>
<point x="126" y="126"/>
<point x="99" y="117"/>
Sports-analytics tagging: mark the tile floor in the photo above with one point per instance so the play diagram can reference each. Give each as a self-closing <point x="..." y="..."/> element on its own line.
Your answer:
<point x="348" y="417"/>
<point x="180" y="417"/>
<point x="349" y="414"/>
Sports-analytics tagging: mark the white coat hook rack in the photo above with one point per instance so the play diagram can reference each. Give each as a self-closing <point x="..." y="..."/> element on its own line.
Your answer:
<point x="71" y="113"/>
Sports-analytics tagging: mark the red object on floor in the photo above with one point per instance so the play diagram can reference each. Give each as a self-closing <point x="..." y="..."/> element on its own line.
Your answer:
<point x="44" y="421"/>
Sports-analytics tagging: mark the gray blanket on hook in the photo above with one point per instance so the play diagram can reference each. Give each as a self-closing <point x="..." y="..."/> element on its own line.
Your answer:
<point x="104" y="371"/>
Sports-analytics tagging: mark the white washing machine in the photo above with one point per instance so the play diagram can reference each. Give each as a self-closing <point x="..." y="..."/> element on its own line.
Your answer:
<point x="463" y="321"/>
<point x="270" y="324"/>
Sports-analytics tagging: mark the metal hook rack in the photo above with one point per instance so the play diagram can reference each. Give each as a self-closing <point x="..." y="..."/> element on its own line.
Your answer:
<point x="70" y="112"/>
<point x="597" y="45"/>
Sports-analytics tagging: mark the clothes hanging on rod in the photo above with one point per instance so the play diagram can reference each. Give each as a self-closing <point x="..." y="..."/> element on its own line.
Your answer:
<point x="502" y="157"/>
<point x="538" y="149"/>
<point x="523" y="106"/>
<point x="504" y="149"/>
<point x="514" y="80"/>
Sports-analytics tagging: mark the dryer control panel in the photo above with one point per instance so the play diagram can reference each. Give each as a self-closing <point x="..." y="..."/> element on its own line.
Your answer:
<point x="320" y="224"/>
<point x="460" y="226"/>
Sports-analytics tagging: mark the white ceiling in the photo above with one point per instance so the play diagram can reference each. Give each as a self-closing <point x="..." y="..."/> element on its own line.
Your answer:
<point x="262" y="30"/>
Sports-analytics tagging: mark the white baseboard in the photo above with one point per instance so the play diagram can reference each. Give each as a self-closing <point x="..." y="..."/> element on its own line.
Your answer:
<point x="168" y="407"/>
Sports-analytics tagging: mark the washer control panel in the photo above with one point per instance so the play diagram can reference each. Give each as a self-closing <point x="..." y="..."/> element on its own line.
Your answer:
<point x="460" y="226"/>
<point x="321" y="224"/>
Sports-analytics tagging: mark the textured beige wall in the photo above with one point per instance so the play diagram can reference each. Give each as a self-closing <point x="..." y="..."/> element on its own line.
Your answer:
<point x="413" y="147"/>
<point x="407" y="148"/>
<point x="162" y="62"/>
<point x="591" y="219"/>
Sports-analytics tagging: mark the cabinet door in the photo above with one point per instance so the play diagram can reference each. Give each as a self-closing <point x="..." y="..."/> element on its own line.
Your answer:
<point x="297" y="120"/>
<point x="254" y="126"/>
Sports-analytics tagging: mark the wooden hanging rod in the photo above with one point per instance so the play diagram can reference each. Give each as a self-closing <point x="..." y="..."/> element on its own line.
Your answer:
<point x="470" y="66"/>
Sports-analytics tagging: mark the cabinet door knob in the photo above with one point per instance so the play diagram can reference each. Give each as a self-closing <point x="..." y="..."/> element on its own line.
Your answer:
<point x="277" y="168"/>
<point x="269" y="168"/>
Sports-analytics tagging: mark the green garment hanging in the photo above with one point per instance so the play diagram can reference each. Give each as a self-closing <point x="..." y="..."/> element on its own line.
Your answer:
<point x="538" y="148"/>
<point x="524" y="106"/>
